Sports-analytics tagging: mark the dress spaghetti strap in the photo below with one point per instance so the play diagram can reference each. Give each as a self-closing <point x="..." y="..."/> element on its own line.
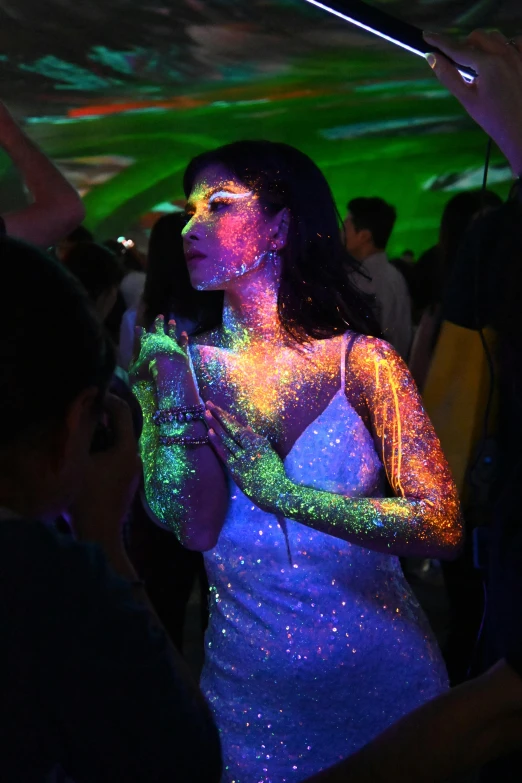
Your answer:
<point x="344" y="350"/>
<point x="191" y="365"/>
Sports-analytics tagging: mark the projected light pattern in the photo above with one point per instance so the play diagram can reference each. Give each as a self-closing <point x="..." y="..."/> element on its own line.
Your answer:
<point x="192" y="75"/>
<point x="466" y="75"/>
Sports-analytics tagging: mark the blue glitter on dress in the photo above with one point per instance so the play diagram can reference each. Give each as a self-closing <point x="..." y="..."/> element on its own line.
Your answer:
<point x="314" y="645"/>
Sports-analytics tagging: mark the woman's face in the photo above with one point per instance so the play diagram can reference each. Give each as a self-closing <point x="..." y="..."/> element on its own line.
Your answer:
<point x="228" y="233"/>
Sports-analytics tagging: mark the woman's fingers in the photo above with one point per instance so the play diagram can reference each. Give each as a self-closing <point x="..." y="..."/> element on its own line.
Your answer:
<point x="218" y="446"/>
<point x="213" y="423"/>
<point x="172" y="329"/>
<point x="220" y="414"/>
<point x="221" y="420"/>
<point x="159" y="324"/>
<point x="184" y="341"/>
<point x="225" y="420"/>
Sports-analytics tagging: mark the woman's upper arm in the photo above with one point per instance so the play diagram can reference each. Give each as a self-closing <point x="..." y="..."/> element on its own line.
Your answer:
<point x="403" y="434"/>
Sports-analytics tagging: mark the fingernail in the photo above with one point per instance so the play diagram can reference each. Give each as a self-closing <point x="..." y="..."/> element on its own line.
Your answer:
<point x="431" y="59"/>
<point x="211" y="431"/>
<point x="209" y="404"/>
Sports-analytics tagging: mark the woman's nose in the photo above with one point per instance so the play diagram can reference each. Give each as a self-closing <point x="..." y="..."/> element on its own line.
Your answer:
<point x="193" y="230"/>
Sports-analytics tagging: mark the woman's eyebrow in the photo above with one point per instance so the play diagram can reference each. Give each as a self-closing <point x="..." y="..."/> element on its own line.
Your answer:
<point x="228" y="194"/>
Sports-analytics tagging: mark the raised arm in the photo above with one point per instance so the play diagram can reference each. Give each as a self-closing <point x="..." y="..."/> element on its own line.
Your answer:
<point x="185" y="485"/>
<point x="57" y="208"/>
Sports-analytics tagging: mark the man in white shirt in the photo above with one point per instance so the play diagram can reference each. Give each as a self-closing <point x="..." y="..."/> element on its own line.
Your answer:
<point x="368" y="227"/>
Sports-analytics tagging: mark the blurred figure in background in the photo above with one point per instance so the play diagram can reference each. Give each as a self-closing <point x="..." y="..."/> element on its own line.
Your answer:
<point x="100" y="273"/>
<point x="433" y="271"/>
<point x="368" y="228"/>
<point x="133" y="270"/>
<point x="167" y="288"/>
<point x="64" y="246"/>
<point x="169" y="571"/>
<point x="89" y="680"/>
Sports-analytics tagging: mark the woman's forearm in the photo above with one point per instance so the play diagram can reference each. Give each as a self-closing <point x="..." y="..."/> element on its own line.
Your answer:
<point x="185" y="486"/>
<point x="395" y="526"/>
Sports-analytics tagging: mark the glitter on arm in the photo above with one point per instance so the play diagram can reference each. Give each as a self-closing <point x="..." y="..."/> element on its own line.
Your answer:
<point x="423" y="519"/>
<point x="165" y="469"/>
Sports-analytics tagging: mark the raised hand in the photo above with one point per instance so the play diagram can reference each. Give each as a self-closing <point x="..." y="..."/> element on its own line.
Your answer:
<point x="252" y="462"/>
<point x="159" y="349"/>
<point x="494" y="100"/>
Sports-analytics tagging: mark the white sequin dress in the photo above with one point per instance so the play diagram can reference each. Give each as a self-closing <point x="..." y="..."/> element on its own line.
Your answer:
<point x="314" y="645"/>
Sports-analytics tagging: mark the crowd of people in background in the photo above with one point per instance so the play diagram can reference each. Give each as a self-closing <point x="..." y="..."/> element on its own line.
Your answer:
<point x="95" y="586"/>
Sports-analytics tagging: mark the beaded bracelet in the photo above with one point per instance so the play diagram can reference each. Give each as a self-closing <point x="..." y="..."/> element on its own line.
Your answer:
<point x="183" y="415"/>
<point x="183" y="440"/>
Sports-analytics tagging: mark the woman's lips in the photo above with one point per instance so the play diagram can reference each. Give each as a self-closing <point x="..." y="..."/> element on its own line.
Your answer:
<point x="193" y="255"/>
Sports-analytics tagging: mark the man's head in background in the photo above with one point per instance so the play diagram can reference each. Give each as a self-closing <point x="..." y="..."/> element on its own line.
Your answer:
<point x="80" y="234"/>
<point x="368" y="226"/>
<point x="99" y="271"/>
<point x="55" y="366"/>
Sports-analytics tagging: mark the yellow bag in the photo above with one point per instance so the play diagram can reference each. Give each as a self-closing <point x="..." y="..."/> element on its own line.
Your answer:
<point x="456" y="394"/>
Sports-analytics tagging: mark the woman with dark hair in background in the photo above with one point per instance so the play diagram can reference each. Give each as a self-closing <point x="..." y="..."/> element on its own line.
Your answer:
<point x="315" y="641"/>
<point x="167" y="288"/>
<point x="131" y="288"/>
<point x="168" y="569"/>
<point x="100" y="273"/>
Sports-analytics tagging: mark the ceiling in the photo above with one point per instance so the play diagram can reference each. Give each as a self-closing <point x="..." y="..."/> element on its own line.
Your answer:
<point x="124" y="93"/>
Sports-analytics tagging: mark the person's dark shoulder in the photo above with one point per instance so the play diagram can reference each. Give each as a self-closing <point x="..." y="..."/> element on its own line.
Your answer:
<point x="42" y="567"/>
<point x="504" y="578"/>
<point x="29" y="549"/>
<point x="483" y="274"/>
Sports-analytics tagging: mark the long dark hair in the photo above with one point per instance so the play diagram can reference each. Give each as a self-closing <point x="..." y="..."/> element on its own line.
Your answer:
<point x="459" y="214"/>
<point x="167" y="287"/>
<point x="318" y="295"/>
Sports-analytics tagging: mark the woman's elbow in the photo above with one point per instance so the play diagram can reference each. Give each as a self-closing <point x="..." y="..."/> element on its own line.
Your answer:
<point x="450" y="540"/>
<point x="198" y="538"/>
<point x="193" y="534"/>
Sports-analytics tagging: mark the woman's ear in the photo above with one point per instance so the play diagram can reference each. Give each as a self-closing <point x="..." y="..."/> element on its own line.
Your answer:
<point x="75" y="428"/>
<point x="281" y="227"/>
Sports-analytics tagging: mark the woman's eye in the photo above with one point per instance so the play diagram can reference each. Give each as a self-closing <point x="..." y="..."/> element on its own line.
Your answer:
<point x="217" y="205"/>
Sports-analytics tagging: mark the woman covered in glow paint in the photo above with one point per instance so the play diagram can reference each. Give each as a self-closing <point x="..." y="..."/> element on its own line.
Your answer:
<point x="312" y="469"/>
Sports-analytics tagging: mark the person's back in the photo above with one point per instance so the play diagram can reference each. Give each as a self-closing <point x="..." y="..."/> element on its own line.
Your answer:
<point x="90" y="683"/>
<point x="86" y="675"/>
<point x="368" y="228"/>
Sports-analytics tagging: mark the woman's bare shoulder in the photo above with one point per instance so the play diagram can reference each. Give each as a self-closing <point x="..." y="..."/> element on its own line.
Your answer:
<point x="363" y="349"/>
